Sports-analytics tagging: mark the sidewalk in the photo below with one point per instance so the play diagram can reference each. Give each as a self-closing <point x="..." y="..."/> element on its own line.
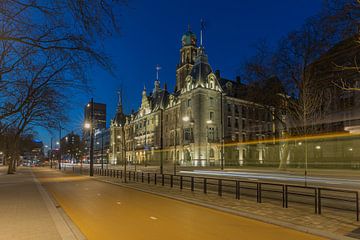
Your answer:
<point x="27" y="211"/>
<point x="331" y="224"/>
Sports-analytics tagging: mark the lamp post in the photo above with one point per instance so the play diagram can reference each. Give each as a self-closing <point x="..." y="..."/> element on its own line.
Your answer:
<point x="102" y="150"/>
<point x="222" y="131"/>
<point x="145" y="146"/>
<point x="161" y="143"/>
<point x="91" y="127"/>
<point x="188" y="135"/>
<point x="175" y="137"/>
<point x="51" y="152"/>
<point x="59" y="146"/>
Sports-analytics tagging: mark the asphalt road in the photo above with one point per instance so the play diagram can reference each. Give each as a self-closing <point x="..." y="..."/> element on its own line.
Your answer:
<point x="334" y="182"/>
<point x="106" y="211"/>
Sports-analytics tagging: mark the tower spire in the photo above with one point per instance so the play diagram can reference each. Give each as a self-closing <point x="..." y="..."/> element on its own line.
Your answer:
<point x="158" y="68"/>
<point x="120" y="100"/>
<point x="202" y="24"/>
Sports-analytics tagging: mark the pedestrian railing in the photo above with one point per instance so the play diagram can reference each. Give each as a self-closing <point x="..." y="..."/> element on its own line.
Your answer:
<point x="319" y="197"/>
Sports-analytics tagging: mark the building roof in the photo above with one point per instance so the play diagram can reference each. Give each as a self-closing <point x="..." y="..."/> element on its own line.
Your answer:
<point x="188" y="38"/>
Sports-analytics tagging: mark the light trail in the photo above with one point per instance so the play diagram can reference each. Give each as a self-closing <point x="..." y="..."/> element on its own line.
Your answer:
<point x="281" y="177"/>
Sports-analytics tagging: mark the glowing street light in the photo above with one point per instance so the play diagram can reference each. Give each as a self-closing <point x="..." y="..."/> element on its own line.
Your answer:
<point x="87" y="125"/>
<point x="186" y="118"/>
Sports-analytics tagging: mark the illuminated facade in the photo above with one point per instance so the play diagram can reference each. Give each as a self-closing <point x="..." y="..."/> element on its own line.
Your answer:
<point x="190" y="125"/>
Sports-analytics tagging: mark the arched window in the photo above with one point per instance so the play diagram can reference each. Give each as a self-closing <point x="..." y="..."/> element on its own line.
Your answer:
<point x="211" y="153"/>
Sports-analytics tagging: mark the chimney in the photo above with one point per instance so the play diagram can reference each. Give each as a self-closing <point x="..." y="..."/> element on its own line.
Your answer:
<point x="217" y="73"/>
<point x="238" y="80"/>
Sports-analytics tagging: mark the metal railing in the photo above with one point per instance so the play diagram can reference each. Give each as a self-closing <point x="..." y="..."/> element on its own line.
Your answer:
<point x="319" y="197"/>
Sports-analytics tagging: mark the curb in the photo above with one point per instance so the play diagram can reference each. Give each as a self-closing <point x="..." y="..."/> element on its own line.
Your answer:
<point x="64" y="225"/>
<point x="268" y="220"/>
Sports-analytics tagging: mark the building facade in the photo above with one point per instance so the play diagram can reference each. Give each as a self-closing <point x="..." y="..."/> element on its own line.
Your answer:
<point x="192" y="125"/>
<point x="99" y="115"/>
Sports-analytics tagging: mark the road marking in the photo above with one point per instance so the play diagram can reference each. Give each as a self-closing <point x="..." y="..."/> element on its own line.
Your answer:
<point x="153" y="218"/>
<point x="253" y="179"/>
<point x="332" y="183"/>
<point x="98" y="194"/>
<point x="118" y="203"/>
<point x="86" y="189"/>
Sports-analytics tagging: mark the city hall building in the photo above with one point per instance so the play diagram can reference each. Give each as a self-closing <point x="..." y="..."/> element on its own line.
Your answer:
<point x="192" y="125"/>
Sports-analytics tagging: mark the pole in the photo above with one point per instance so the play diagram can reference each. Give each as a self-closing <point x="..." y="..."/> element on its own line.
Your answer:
<point x="161" y="143"/>
<point x="102" y="149"/>
<point x="59" y="146"/>
<point x="92" y="138"/>
<point x="123" y="150"/>
<point x="145" y="147"/>
<point x="175" y="135"/>
<point x="51" y="152"/>
<point x="222" y="132"/>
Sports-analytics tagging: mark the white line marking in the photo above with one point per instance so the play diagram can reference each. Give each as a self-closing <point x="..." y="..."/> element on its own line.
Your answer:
<point x="98" y="194"/>
<point x="332" y="183"/>
<point x="253" y="179"/>
<point x="153" y="218"/>
<point x="118" y="203"/>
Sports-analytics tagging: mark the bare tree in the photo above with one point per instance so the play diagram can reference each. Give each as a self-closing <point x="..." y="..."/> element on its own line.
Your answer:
<point x="343" y="17"/>
<point x="45" y="50"/>
<point x="304" y="98"/>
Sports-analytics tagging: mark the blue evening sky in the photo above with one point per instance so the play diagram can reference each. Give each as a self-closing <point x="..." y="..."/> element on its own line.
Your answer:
<point x="151" y="32"/>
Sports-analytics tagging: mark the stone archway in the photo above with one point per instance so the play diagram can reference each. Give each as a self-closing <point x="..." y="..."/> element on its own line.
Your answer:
<point x="187" y="155"/>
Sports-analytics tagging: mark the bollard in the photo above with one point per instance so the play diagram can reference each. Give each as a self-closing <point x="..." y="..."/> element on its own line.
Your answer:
<point x="205" y="186"/>
<point x="286" y="196"/>
<point x="319" y="200"/>
<point x="181" y="182"/>
<point x="171" y="180"/>
<point x="258" y="193"/>
<point x="155" y="179"/>
<point x="220" y="187"/>
<point x="283" y="196"/>
<point x="192" y="184"/>
<point x="315" y="203"/>
<point x="162" y="179"/>
<point x="142" y="176"/>
<point x="148" y="177"/>
<point x="357" y="206"/>
<point x="237" y="191"/>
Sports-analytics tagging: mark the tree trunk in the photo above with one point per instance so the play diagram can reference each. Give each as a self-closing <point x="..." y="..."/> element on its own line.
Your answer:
<point x="283" y="154"/>
<point x="13" y="156"/>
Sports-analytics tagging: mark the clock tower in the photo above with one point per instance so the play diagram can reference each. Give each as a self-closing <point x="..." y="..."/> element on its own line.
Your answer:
<point x="188" y="53"/>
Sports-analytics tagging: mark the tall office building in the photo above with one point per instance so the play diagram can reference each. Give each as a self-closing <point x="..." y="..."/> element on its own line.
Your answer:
<point x="99" y="115"/>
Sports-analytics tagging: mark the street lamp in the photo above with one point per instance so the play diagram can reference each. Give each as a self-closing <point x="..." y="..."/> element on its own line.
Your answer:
<point x="90" y="126"/>
<point x="186" y="118"/>
<point x="175" y="138"/>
